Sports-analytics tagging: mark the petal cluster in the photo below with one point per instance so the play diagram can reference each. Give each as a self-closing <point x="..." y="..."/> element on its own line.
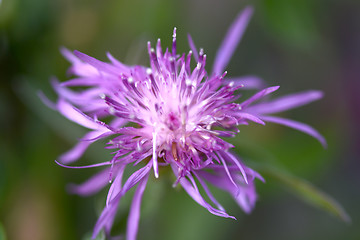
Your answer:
<point x="172" y="114"/>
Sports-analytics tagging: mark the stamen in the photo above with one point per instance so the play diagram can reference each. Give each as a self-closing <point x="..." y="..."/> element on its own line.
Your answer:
<point x="174" y="43"/>
<point x="174" y="151"/>
<point x="154" y="157"/>
<point x="174" y="33"/>
<point x="201" y="52"/>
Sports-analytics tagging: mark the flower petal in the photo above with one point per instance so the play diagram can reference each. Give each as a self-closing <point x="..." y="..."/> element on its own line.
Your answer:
<point x="251" y="117"/>
<point x="92" y="185"/>
<point x="78" y="68"/>
<point x="286" y="102"/>
<point x="75" y="115"/>
<point x="115" y="187"/>
<point x="193" y="48"/>
<point x="231" y="158"/>
<point x="107" y="216"/>
<point x="247" y="197"/>
<point x="192" y="190"/>
<point x="134" y="214"/>
<point x="207" y="190"/>
<point x="244" y="194"/>
<point x="259" y="95"/>
<point x="78" y="150"/>
<point x="298" y="126"/>
<point x="246" y="82"/>
<point x="99" y="65"/>
<point x="231" y="40"/>
<point x="86" y="166"/>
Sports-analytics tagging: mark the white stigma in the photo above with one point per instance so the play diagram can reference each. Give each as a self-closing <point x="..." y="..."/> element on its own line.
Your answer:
<point x="154" y="157"/>
<point x="201" y="52"/>
<point x="112" y="110"/>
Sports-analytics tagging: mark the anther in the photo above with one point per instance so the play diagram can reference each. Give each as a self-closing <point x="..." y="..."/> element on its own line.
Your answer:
<point x="174" y="33"/>
<point x="130" y="80"/>
<point x="201" y="52"/>
<point x="112" y="110"/>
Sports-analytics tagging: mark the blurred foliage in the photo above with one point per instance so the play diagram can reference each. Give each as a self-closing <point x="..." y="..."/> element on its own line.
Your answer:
<point x="306" y="191"/>
<point x="298" y="44"/>
<point x="292" y="22"/>
<point x="2" y="232"/>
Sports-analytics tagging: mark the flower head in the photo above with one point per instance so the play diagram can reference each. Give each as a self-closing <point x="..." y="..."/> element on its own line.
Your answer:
<point x="169" y="115"/>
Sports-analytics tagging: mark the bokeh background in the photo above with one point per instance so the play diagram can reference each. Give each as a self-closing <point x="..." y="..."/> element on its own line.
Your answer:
<point x="300" y="45"/>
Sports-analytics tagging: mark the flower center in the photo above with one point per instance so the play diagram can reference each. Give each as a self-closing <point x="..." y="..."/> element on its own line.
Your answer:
<point x="172" y="121"/>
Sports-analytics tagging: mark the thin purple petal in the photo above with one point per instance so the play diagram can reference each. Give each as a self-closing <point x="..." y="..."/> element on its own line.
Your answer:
<point x="46" y="100"/>
<point x="230" y="157"/>
<point x="246" y="82"/>
<point x="193" y="48"/>
<point x="78" y="150"/>
<point x="244" y="194"/>
<point x="191" y="188"/>
<point x="286" y="102"/>
<point x="108" y="214"/>
<point x="298" y="126"/>
<point x="78" y="68"/>
<point x="69" y="55"/>
<point x="102" y="66"/>
<point x="92" y="185"/>
<point x="195" y="194"/>
<point x="207" y="191"/>
<point x="86" y="166"/>
<point x="134" y="214"/>
<point x="259" y="95"/>
<point x="74" y="115"/>
<point x="231" y="40"/>
<point x="115" y="187"/>
<point x="251" y="117"/>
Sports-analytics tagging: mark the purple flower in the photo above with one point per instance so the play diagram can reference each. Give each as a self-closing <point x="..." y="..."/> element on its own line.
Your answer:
<point x="178" y="117"/>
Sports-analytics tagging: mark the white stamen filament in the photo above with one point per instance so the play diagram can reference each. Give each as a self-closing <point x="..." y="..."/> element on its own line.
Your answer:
<point x="154" y="157"/>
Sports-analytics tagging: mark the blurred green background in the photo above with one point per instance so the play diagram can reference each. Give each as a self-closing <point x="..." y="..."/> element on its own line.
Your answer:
<point x="299" y="44"/>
